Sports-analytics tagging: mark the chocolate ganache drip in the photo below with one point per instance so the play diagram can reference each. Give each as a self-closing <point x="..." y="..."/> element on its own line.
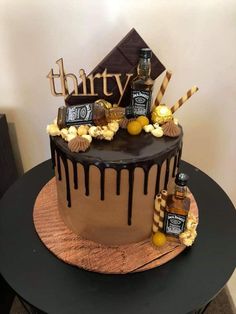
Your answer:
<point x="125" y="152"/>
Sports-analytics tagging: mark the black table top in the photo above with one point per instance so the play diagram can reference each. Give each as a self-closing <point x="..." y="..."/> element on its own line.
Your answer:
<point x="185" y="283"/>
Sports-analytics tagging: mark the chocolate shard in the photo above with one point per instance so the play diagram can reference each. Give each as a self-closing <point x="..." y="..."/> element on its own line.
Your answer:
<point x="122" y="59"/>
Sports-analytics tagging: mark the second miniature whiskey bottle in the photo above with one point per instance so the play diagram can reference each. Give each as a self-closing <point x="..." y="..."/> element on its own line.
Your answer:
<point x="91" y="113"/>
<point x="177" y="207"/>
<point x="141" y="85"/>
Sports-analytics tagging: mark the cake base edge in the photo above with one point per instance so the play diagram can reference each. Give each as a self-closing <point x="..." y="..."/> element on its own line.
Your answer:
<point x="92" y="256"/>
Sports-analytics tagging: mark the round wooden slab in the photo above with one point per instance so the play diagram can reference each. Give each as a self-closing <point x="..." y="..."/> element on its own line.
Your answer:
<point x="92" y="256"/>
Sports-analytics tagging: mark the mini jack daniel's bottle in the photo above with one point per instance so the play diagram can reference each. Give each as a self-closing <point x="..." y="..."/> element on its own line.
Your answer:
<point x="177" y="207"/>
<point x="91" y="113"/>
<point x="141" y="85"/>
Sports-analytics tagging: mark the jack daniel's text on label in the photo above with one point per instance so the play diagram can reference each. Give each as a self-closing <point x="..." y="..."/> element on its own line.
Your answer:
<point x="140" y="102"/>
<point x="177" y="207"/>
<point x="80" y="114"/>
<point x="90" y="113"/>
<point x="174" y="223"/>
<point x="75" y="115"/>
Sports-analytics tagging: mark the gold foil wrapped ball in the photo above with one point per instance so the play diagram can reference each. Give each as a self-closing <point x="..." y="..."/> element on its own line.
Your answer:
<point x="161" y="114"/>
<point x="104" y="103"/>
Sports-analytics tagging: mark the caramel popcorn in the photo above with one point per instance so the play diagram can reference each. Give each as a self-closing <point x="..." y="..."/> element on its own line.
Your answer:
<point x="148" y="128"/>
<point x="70" y="137"/>
<point x="95" y="131"/>
<point x="83" y="130"/>
<point x="156" y="125"/>
<point x="189" y="235"/>
<point x="53" y="130"/>
<point x="64" y="133"/>
<point x="72" y="130"/>
<point x="191" y="222"/>
<point x="157" y="132"/>
<point x="108" y="135"/>
<point x="88" y="137"/>
<point x="113" y="126"/>
<point x="176" y="121"/>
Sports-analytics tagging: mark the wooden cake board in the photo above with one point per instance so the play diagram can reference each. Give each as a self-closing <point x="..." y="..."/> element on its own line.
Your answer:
<point x="90" y="255"/>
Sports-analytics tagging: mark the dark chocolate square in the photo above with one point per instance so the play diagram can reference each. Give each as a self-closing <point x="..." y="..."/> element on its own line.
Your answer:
<point x="122" y="59"/>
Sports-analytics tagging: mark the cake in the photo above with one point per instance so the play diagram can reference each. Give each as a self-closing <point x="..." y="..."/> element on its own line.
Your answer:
<point x="108" y="175"/>
<point x="106" y="194"/>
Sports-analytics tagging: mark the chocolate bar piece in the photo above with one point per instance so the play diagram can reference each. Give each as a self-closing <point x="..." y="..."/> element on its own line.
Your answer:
<point x="122" y="59"/>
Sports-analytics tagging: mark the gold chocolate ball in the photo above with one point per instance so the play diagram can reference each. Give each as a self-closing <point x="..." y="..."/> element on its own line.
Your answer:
<point x="161" y="114"/>
<point x="104" y="103"/>
<point x="159" y="239"/>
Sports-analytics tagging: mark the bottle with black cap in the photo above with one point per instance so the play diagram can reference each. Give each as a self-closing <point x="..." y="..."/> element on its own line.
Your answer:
<point x="177" y="207"/>
<point x="90" y="113"/>
<point x="141" y="85"/>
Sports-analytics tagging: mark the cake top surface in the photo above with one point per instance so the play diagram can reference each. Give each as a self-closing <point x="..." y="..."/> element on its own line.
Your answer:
<point x="124" y="149"/>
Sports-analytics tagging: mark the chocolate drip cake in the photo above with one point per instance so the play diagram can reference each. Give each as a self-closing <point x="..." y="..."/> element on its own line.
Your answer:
<point x="116" y="152"/>
<point x="107" y="193"/>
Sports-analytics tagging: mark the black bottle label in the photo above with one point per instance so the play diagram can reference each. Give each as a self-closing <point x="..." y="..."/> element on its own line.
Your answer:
<point x="79" y="114"/>
<point x="174" y="223"/>
<point x="140" y="102"/>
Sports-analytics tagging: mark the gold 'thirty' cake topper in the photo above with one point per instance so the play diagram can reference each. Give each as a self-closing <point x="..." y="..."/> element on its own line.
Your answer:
<point x="82" y="75"/>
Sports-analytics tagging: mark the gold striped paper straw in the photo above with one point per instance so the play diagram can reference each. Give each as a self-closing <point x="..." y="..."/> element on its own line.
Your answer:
<point x="163" y="199"/>
<point x="164" y="195"/>
<point x="162" y="89"/>
<point x="182" y="100"/>
<point x="156" y="214"/>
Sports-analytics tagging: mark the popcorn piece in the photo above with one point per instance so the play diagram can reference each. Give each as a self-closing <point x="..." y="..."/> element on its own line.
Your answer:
<point x="148" y="128"/>
<point x="72" y="130"/>
<point x="55" y="121"/>
<point x="95" y="131"/>
<point x="108" y="135"/>
<point x="53" y="130"/>
<point x="187" y="237"/>
<point x="88" y="137"/>
<point x="156" y="125"/>
<point x="70" y="137"/>
<point x="157" y="132"/>
<point x="191" y="222"/>
<point x="83" y="130"/>
<point x="176" y="121"/>
<point x="113" y="126"/>
<point x="64" y="133"/>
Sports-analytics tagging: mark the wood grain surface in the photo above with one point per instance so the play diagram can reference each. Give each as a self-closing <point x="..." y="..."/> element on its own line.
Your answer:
<point x="92" y="256"/>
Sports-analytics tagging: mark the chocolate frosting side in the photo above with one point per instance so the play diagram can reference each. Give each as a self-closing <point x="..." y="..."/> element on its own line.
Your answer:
<point x="124" y="152"/>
